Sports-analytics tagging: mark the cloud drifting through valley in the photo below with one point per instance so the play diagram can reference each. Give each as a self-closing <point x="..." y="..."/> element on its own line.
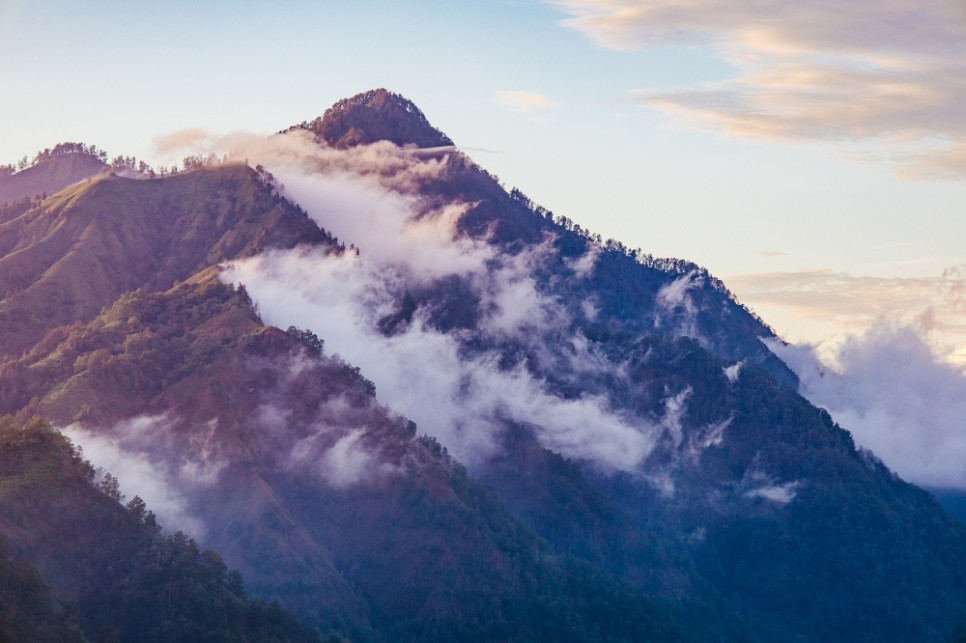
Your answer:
<point x="130" y="456"/>
<point x="369" y="196"/>
<point x="465" y="400"/>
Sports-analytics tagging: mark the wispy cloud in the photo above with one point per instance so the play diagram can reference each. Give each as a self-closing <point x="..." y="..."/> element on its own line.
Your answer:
<point x="178" y="141"/>
<point x="520" y="101"/>
<point x="889" y="75"/>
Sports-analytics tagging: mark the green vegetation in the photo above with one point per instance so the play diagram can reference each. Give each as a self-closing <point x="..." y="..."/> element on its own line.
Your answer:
<point x="120" y="576"/>
<point x="28" y="611"/>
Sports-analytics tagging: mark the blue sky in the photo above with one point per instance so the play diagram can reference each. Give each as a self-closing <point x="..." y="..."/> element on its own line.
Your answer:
<point x="811" y="154"/>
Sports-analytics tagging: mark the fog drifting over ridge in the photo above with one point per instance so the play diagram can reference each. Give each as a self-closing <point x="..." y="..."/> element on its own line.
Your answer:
<point x="368" y="196"/>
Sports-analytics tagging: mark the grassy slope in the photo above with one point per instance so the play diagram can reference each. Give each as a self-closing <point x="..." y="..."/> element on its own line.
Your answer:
<point x="65" y="258"/>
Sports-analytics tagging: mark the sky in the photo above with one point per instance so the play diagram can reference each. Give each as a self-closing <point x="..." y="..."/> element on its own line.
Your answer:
<point x="811" y="154"/>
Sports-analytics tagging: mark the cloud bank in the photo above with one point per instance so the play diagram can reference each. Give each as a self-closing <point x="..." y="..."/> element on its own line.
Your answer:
<point x="889" y="75"/>
<point x="897" y="397"/>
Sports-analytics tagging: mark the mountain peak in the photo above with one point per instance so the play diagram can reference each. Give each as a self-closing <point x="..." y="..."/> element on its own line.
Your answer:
<point x="376" y="115"/>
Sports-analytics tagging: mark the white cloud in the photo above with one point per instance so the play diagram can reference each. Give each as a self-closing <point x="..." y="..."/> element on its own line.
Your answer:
<point x="675" y="407"/>
<point x="809" y="306"/>
<point x="521" y="101"/>
<point x="463" y="398"/>
<point x="896" y="396"/>
<point x="779" y="494"/>
<point x="674" y="295"/>
<point x="889" y="74"/>
<point x="341" y="460"/>
<point x="125" y="452"/>
<point x="675" y="307"/>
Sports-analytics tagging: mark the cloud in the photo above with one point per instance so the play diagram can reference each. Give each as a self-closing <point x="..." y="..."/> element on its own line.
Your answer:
<point x="674" y="295"/>
<point x="779" y="494"/>
<point x="344" y="461"/>
<point x="181" y="140"/>
<point x="125" y="452"/>
<point x="519" y="101"/>
<point x="458" y="391"/>
<point x="892" y="378"/>
<point x="890" y="75"/>
<point x="897" y="397"/>
<point x="675" y="406"/>
<point x="675" y="307"/>
<point x="584" y="265"/>
<point x="732" y="372"/>
<point x="823" y="306"/>
<point x="462" y="399"/>
<point x="335" y="444"/>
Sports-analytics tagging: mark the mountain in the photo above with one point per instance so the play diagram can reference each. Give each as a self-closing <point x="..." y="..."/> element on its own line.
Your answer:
<point x="217" y="390"/>
<point x="478" y="421"/>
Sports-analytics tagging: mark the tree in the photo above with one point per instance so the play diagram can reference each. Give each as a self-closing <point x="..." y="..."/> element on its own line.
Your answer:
<point x="137" y="507"/>
<point x="111" y="487"/>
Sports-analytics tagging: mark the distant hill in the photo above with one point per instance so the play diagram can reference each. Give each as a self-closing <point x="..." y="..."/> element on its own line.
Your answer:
<point x="65" y="165"/>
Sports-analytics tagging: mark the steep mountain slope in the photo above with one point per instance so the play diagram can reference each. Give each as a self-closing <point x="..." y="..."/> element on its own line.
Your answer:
<point x="735" y="452"/>
<point x="623" y="286"/>
<point x="288" y="457"/>
<point x="123" y="580"/>
<point x="638" y="464"/>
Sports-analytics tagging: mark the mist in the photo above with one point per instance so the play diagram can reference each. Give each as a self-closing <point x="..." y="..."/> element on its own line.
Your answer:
<point x="126" y="454"/>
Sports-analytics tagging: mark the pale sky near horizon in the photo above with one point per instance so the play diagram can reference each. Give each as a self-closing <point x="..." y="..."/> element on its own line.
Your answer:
<point x="812" y="154"/>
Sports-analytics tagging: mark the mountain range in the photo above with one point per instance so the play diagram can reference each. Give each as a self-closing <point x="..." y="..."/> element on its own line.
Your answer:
<point x="476" y="421"/>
